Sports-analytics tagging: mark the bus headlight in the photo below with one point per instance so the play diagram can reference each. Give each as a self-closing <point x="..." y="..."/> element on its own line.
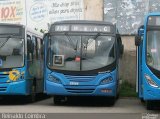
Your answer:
<point x="106" y="80"/>
<point x="150" y="81"/>
<point x="53" y="79"/>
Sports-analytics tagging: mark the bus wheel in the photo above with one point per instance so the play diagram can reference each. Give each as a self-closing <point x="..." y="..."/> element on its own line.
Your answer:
<point x="109" y="101"/>
<point x="117" y="96"/>
<point x="59" y="100"/>
<point x="112" y="101"/>
<point x="142" y="100"/>
<point x="149" y="104"/>
<point x="32" y="97"/>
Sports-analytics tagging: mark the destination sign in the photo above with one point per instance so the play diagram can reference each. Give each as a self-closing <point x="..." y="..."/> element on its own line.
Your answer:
<point x="83" y="28"/>
<point x="62" y="28"/>
<point x="154" y="21"/>
<point x="10" y="30"/>
<point x="90" y="28"/>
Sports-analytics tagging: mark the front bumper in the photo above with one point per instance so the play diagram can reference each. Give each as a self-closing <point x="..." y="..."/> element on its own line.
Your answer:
<point x="59" y="89"/>
<point x="151" y="93"/>
<point x="13" y="88"/>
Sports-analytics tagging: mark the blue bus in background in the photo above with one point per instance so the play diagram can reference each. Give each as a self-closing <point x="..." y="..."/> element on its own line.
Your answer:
<point x="21" y="61"/>
<point x="148" y="60"/>
<point x="82" y="59"/>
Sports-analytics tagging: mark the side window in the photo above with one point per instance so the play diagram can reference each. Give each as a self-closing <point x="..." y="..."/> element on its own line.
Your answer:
<point x="29" y="48"/>
<point x="35" y="51"/>
<point x="42" y="48"/>
<point x="39" y="46"/>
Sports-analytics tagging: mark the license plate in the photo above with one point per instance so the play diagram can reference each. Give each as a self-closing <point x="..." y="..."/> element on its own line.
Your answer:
<point x="74" y="83"/>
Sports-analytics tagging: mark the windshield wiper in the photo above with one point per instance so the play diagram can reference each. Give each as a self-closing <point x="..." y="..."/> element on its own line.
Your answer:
<point x="4" y="43"/>
<point x="8" y="37"/>
<point x="98" y="34"/>
<point x="70" y="40"/>
<point x="76" y="46"/>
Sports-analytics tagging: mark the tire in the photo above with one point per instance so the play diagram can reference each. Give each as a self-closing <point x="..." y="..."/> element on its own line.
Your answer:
<point x="149" y="104"/>
<point x="58" y="100"/>
<point x="117" y="96"/>
<point x="118" y="89"/>
<point x="112" y="101"/>
<point x="109" y="101"/>
<point x="32" y="97"/>
<point x="142" y="100"/>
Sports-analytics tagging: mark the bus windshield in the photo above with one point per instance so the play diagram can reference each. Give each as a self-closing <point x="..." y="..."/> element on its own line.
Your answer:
<point x="153" y="49"/>
<point x="153" y="42"/>
<point x="81" y="53"/>
<point x="11" y="52"/>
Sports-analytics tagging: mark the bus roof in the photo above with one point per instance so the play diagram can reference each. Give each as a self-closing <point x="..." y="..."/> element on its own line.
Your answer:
<point x="82" y="22"/>
<point x="22" y="26"/>
<point x="153" y="14"/>
<point x="34" y="32"/>
<point x="9" y="24"/>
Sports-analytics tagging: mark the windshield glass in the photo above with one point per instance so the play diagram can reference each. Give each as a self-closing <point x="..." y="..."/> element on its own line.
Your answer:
<point x="11" y="52"/>
<point x="153" y="49"/>
<point x="80" y="53"/>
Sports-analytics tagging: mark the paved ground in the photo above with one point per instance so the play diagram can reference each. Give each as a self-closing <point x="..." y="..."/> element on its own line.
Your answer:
<point x="85" y="105"/>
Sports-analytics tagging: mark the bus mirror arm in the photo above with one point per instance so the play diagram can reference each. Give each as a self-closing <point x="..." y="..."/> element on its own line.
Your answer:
<point x="121" y="49"/>
<point x="137" y="40"/>
<point x="42" y="50"/>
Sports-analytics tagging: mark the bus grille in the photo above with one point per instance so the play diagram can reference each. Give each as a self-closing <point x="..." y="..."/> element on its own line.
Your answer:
<point x="3" y="75"/>
<point x="3" y="78"/>
<point x="3" y="89"/>
<point x="79" y="90"/>
<point x="80" y="78"/>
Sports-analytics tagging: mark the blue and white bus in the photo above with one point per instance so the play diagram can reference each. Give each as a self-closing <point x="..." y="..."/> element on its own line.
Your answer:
<point x="148" y="60"/>
<point x="21" y="61"/>
<point x="82" y="59"/>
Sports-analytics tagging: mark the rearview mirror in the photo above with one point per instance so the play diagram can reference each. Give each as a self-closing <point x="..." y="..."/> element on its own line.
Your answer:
<point x="137" y="40"/>
<point x="16" y="51"/>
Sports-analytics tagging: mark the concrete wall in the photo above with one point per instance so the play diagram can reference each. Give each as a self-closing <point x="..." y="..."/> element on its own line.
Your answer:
<point x="128" y="61"/>
<point x="93" y="10"/>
